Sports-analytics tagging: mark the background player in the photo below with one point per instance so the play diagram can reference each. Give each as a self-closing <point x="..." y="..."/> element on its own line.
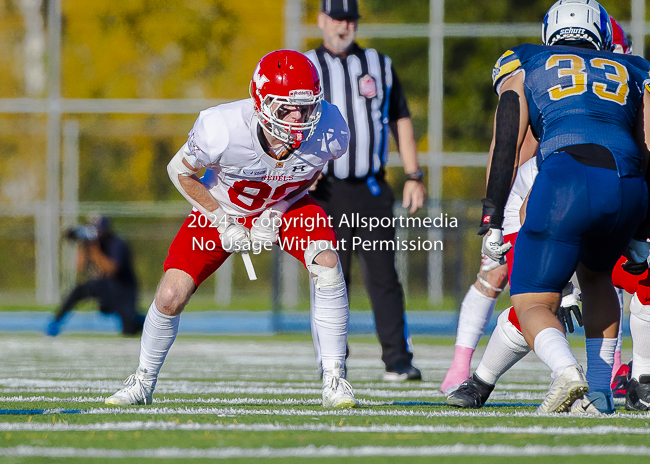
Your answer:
<point x="106" y="258"/>
<point x="479" y="302"/>
<point x="637" y="379"/>
<point x="261" y="155"/>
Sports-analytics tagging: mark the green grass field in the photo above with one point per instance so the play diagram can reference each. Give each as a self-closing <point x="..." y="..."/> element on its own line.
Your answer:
<point x="246" y="399"/>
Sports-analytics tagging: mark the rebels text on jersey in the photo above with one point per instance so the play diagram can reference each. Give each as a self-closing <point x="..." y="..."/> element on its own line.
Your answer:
<point x="240" y="175"/>
<point x="578" y="96"/>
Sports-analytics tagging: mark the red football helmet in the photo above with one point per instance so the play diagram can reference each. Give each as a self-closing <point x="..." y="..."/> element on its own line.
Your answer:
<point x="620" y="41"/>
<point x="287" y="78"/>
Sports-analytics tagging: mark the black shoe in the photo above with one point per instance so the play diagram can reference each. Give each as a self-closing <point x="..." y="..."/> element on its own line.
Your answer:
<point x="402" y="373"/>
<point x="637" y="395"/>
<point x="620" y="380"/>
<point x="472" y="393"/>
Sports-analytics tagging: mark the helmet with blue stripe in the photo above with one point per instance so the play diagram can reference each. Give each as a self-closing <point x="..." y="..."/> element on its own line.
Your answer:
<point x="577" y="22"/>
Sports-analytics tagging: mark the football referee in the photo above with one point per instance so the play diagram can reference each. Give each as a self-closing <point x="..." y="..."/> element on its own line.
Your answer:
<point x="363" y="85"/>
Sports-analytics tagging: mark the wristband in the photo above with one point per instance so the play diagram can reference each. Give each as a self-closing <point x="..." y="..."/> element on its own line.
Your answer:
<point x="416" y="176"/>
<point x="491" y="216"/>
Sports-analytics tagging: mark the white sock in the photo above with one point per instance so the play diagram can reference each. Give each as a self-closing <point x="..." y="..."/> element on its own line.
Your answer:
<point x="552" y="347"/>
<point x="506" y="347"/>
<point x="600" y="359"/>
<point x="314" y="331"/>
<point x="330" y="314"/>
<point x="640" y="328"/>
<point x="158" y="334"/>
<point x="475" y="313"/>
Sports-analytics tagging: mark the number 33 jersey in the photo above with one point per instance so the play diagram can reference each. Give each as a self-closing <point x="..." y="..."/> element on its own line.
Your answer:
<point x="240" y="175"/>
<point x="579" y="96"/>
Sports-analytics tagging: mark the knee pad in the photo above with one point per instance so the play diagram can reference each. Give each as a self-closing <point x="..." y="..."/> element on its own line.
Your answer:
<point x="324" y="277"/>
<point x="640" y="310"/>
<point x="510" y="335"/>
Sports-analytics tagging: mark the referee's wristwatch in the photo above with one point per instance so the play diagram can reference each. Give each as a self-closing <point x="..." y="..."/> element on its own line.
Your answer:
<point x="416" y="176"/>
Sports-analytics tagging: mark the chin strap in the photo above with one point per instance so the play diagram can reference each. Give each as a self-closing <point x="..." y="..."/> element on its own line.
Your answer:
<point x="297" y="139"/>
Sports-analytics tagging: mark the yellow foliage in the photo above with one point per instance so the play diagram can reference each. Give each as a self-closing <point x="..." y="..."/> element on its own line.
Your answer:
<point x="166" y="48"/>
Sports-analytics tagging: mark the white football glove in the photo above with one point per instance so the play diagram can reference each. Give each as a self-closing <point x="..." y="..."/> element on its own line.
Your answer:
<point x="266" y="228"/>
<point x="235" y="238"/>
<point x="493" y="246"/>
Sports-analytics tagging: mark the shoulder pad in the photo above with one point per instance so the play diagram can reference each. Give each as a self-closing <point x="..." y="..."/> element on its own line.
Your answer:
<point x="506" y="65"/>
<point x="209" y="136"/>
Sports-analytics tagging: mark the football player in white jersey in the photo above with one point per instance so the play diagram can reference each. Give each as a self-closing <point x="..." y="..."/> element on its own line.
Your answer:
<point x="261" y="155"/>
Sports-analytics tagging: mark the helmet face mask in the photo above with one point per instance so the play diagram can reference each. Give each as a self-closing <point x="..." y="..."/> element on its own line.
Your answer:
<point x="285" y="81"/>
<point x="577" y="22"/>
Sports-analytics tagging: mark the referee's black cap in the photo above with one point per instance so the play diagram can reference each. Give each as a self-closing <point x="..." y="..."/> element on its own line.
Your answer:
<point x="341" y="9"/>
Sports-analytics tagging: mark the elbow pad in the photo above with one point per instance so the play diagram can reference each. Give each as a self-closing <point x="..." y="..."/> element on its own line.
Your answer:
<point x="176" y="167"/>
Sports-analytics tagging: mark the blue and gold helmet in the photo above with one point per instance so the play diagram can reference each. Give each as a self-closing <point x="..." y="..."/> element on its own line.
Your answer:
<point x="577" y="22"/>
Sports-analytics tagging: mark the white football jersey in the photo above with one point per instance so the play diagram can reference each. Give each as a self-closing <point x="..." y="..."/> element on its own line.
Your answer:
<point x="520" y="187"/>
<point x="240" y="175"/>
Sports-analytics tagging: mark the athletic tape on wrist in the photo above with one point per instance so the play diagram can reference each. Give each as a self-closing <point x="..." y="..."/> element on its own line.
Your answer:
<point x="487" y="284"/>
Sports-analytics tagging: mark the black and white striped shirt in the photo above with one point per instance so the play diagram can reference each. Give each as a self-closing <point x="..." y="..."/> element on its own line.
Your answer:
<point x="366" y="90"/>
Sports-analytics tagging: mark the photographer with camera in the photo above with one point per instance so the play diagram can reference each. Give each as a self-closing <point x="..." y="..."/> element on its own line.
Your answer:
<point x="107" y="259"/>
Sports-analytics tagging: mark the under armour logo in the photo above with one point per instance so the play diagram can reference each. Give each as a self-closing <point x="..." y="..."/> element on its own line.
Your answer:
<point x="300" y="168"/>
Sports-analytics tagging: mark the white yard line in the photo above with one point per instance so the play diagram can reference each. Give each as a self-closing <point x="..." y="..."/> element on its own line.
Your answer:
<point x="250" y="388"/>
<point x="329" y="451"/>
<point x="7" y="384"/>
<point x="496" y="397"/>
<point x="425" y="429"/>
<point x="228" y="401"/>
<point x="361" y="412"/>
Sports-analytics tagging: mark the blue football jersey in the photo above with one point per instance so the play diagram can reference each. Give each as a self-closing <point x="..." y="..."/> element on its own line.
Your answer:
<point x="578" y="96"/>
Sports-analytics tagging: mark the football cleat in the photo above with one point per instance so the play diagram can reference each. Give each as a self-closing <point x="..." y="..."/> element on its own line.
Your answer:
<point x="637" y="397"/>
<point x="471" y="394"/>
<point x="595" y="404"/>
<point x="402" y="374"/>
<point x="337" y="392"/>
<point x="138" y="390"/>
<point x="565" y="389"/>
<point x="620" y="380"/>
